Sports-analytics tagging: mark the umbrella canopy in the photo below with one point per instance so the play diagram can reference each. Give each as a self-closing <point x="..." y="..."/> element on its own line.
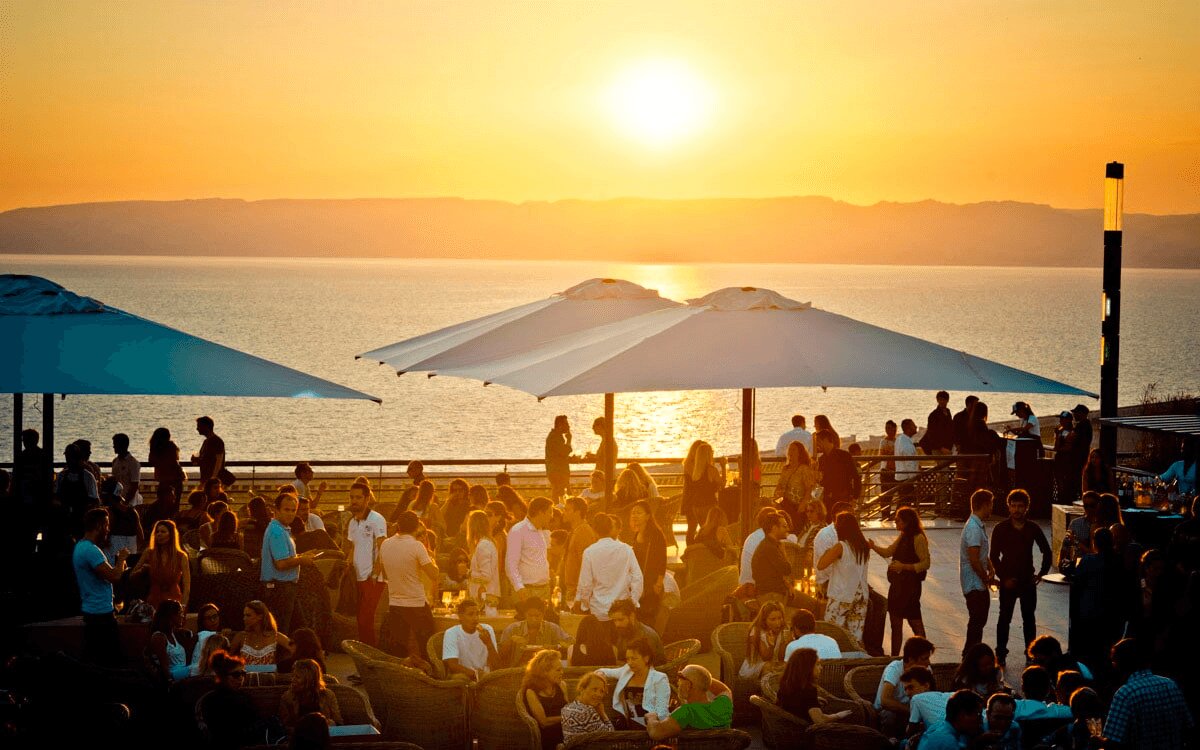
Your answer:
<point x="748" y="338"/>
<point x="56" y="341"/>
<point x="595" y="302"/>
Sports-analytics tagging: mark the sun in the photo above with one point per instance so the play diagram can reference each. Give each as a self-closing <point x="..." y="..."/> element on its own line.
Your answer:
<point x="659" y="102"/>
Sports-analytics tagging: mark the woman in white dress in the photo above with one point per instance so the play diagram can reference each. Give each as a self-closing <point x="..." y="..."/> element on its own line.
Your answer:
<point x="847" y="562"/>
<point x="484" y="581"/>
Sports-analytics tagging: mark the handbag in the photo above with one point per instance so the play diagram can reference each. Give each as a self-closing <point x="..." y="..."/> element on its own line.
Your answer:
<point x="226" y="476"/>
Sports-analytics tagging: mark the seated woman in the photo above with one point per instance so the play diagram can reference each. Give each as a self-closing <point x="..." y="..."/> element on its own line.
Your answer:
<point x="209" y="527"/>
<point x="308" y="694"/>
<point x="260" y="643"/>
<point x="228" y="712"/>
<point x="586" y="713"/>
<point x="195" y="515"/>
<point x="545" y="694"/>
<point x="766" y="642"/>
<point x="979" y="672"/>
<point x="641" y="689"/>
<point x="304" y="644"/>
<point x="201" y="665"/>
<point x="798" y="688"/>
<point x="226" y="534"/>
<point x="170" y="641"/>
<point x="593" y="645"/>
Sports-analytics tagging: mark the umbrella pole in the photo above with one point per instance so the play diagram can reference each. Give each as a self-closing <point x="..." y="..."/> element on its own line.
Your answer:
<point x="744" y="469"/>
<point x="48" y="425"/>
<point x="610" y="457"/>
<point x="18" y="425"/>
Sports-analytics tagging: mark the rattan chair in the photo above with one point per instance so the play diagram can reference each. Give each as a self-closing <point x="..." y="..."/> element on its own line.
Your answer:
<point x="699" y="561"/>
<point x="833" y="673"/>
<point x="729" y="643"/>
<point x="846" y="641"/>
<point x="693" y="739"/>
<point x="571" y="677"/>
<point x="830" y="703"/>
<point x="219" y="560"/>
<point x="433" y="649"/>
<point x="862" y="684"/>
<point x="430" y="713"/>
<point x="495" y="723"/>
<point x="678" y="654"/>
<point x="700" y="609"/>
<point x="354" y="706"/>
<point x="362" y="654"/>
<point x="781" y="730"/>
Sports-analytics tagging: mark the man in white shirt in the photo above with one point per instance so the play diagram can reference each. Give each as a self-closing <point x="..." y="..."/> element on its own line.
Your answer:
<point x="404" y="560"/>
<point x="804" y="626"/>
<point x="469" y="648"/>
<point x="891" y="700"/>
<point x="796" y="434"/>
<point x="826" y="538"/>
<point x="126" y="469"/>
<point x="304" y="476"/>
<point x="609" y="572"/>
<point x="926" y="706"/>
<point x="905" y="470"/>
<point x="365" y="532"/>
<point x="745" y="574"/>
<point x="526" y="561"/>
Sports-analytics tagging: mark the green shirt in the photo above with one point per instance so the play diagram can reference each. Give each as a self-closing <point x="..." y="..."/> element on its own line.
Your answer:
<point x="715" y="715"/>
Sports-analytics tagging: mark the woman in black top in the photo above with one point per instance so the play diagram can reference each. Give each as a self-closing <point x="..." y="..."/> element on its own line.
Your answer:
<point x="545" y="694"/>
<point x="650" y="547"/>
<point x="702" y="480"/>
<point x="593" y="645"/>
<point x="910" y="563"/>
<point x="798" y="688"/>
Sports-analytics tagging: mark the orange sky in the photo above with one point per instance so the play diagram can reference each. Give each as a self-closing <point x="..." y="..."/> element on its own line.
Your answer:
<point x="861" y="101"/>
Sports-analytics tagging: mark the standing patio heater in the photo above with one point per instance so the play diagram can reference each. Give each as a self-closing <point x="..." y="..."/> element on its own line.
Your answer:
<point x="1110" y="310"/>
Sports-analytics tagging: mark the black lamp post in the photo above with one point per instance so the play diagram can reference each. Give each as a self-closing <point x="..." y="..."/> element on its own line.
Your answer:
<point x="1110" y="312"/>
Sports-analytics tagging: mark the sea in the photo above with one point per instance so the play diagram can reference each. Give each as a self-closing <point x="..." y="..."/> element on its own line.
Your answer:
<point x="316" y="314"/>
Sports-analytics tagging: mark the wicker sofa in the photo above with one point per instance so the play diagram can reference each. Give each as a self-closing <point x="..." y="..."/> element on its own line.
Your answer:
<point x="431" y="713"/>
<point x="700" y="609"/>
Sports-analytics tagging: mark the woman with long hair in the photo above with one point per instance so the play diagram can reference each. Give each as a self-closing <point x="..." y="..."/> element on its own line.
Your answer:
<point x="796" y="481"/>
<point x="650" y="547"/>
<point x="427" y="507"/>
<point x="308" y="694"/>
<point x="164" y="457"/>
<point x="910" y="563"/>
<point x="500" y="521"/>
<point x="167" y="564"/>
<point x="170" y="641"/>
<point x="982" y="439"/>
<point x="586" y="713"/>
<point x="593" y="645"/>
<point x="979" y="671"/>
<point x="847" y="561"/>
<point x="484" y="581"/>
<point x="516" y="505"/>
<point x="304" y="644"/>
<point x="202" y="663"/>
<point x="821" y="423"/>
<point x="798" y="688"/>
<point x="702" y="480"/>
<point x="545" y="694"/>
<point x="766" y="641"/>
<point x="629" y="490"/>
<point x="260" y="642"/>
<point x="227" y="535"/>
<point x="647" y="480"/>
<point x="1097" y="475"/>
<point x="196" y="514"/>
<point x="714" y="533"/>
<point x="478" y="497"/>
<point x="641" y="689"/>
<point x="207" y="529"/>
<point x="258" y="515"/>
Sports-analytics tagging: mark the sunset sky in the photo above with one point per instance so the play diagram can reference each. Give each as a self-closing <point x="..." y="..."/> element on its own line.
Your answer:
<point x="958" y="101"/>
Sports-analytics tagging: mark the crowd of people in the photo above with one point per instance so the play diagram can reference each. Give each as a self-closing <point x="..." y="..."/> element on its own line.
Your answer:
<point x="606" y="561"/>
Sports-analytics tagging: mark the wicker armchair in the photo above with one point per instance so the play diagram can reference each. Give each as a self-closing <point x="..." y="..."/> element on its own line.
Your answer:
<point x="678" y="654"/>
<point x="943" y="675"/>
<point x="700" y="609"/>
<point x="427" y="712"/>
<point x="433" y="649"/>
<point x="218" y="560"/>
<point x="699" y="561"/>
<point x="830" y="703"/>
<point x="781" y="730"/>
<point x="494" y="721"/>
<point x="571" y="676"/>
<point x="362" y="654"/>
<point x="354" y="707"/>
<point x="845" y="639"/>
<point x="861" y="685"/>
<point x="694" y="739"/>
<point x="729" y="643"/>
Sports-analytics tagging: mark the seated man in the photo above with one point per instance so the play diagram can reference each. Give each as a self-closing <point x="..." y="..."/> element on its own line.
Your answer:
<point x="890" y="699"/>
<point x="627" y="629"/>
<point x="926" y="706"/>
<point x="705" y="703"/>
<point x="1037" y="689"/>
<point x="523" y="638"/>
<point x="469" y="648"/>
<point x="804" y="635"/>
<point x="1000" y="732"/>
<point x="963" y="723"/>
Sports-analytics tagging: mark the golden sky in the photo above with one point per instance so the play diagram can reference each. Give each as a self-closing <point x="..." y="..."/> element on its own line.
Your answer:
<point x="959" y="101"/>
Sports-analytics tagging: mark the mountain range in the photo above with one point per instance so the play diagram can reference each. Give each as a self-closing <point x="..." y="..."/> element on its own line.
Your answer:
<point x="769" y="230"/>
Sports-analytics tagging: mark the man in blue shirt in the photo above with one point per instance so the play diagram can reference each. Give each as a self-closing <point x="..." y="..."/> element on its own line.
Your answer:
<point x="280" y="569"/>
<point x="963" y="723"/>
<point x="101" y="640"/>
<point x="1000" y="730"/>
<point x="975" y="567"/>
<point x="1148" y="710"/>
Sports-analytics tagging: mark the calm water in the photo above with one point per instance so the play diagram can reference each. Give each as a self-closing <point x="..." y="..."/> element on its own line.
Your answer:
<point x="315" y="315"/>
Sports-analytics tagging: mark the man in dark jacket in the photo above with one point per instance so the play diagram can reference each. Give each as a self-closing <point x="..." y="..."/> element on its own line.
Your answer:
<point x="769" y="565"/>
<point x="839" y="473"/>
<point x="1011" y="554"/>
<point x="939" y="428"/>
<point x="962" y="424"/>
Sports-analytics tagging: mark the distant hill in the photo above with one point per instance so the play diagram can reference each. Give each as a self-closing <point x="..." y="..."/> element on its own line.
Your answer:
<point x="788" y="230"/>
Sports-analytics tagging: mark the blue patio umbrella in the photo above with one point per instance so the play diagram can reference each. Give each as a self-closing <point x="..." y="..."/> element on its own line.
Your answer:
<point x="55" y="341"/>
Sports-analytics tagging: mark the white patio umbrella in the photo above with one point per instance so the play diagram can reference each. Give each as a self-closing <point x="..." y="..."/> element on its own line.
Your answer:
<point x="512" y="332"/>
<point x="748" y="338"/>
